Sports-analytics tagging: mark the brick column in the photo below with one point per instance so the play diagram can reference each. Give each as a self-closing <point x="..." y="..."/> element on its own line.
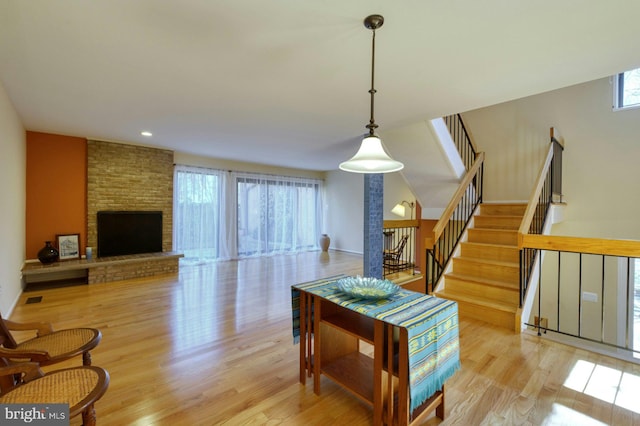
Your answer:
<point x="373" y="223"/>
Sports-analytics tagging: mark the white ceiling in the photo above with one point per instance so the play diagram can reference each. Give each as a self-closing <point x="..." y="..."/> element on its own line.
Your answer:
<point x="284" y="82"/>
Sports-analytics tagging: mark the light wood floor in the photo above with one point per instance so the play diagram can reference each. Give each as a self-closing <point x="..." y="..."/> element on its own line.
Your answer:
<point x="214" y="346"/>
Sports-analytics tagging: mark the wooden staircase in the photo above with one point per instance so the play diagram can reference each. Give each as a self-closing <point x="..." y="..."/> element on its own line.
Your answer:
<point x="484" y="279"/>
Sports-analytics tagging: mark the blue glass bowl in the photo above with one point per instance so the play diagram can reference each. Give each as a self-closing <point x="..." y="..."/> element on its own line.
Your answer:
<point x="367" y="288"/>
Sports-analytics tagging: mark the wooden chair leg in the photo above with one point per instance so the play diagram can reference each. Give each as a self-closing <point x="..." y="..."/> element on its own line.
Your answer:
<point x="89" y="416"/>
<point x="86" y="358"/>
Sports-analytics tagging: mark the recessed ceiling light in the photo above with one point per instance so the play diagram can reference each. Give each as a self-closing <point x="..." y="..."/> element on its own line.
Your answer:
<point x="147" y="134"/>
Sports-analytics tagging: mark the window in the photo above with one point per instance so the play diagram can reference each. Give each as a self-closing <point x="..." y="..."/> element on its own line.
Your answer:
<point x="627" y="89"/>
<point x="277" y="214"/>
<point x="198" y="213"/>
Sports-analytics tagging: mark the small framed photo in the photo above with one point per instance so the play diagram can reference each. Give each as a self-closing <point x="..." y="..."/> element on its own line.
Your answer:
<point x="68" y="246"/>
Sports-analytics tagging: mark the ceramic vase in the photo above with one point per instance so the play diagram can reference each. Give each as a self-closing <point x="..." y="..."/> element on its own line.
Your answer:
<point x="324" y="242"/>
<point x="48" y="253"/>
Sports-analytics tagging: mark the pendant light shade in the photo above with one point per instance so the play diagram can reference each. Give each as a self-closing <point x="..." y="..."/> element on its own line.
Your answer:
<point x="372" y="157"/>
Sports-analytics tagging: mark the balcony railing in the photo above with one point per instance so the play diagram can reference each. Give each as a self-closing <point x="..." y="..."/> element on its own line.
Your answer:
<point x="399" y="247"/>
<point x="586" y="289"/>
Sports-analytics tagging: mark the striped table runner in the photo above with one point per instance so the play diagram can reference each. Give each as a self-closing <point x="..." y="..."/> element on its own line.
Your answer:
<point x="431" y="323"/>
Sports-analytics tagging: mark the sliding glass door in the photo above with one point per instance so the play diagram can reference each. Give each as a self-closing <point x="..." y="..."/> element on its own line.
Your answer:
<point x="222" y="215"/>
<point x="277" y="214"/>
<point x="197" y="213"/>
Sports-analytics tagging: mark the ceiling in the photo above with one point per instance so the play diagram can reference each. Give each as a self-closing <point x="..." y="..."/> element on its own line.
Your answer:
<point x="285" y="82"/>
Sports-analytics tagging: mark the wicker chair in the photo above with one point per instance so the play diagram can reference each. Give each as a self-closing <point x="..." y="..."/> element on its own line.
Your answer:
<point x="80" y="387"/>
<point x="48" y="347"/>
<point x="392" y="258"/>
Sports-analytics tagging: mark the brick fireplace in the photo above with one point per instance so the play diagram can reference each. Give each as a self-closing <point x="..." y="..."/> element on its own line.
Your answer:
<point x="129" y="177"/>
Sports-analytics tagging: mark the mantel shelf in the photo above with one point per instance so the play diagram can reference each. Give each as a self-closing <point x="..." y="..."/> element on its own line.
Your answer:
<point x="35" y="267"/>
<point x="104" y="269"/>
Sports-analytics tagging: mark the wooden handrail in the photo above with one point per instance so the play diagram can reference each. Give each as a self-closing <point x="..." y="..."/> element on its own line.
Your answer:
<point x="406" y="223"/>
<point x="532" y="204"/>
<point x="599" y="246"/>
<point x="453" y="204"/>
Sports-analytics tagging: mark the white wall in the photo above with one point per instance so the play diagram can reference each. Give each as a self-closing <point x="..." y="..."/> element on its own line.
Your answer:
<point x="601" y="157"/>
<point x="238" y="166"/>
<point x="428" y="170"/>
<point x="344" y="202"/>
<point x="514" y="148"/>
<point x="396" y="190"/>
<point x="12" y="189"/>
<point x="345" y="206"/>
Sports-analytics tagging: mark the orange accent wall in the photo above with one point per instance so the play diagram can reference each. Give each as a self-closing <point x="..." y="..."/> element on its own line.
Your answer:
<point x="56" y="189"/>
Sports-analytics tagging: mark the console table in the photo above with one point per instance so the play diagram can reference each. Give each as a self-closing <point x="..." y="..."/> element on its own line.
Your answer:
<point x="103" y="269"/>
<point x="415" y="347"/>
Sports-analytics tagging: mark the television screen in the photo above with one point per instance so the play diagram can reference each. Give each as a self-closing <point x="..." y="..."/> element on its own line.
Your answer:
<point x="129" y="232"/>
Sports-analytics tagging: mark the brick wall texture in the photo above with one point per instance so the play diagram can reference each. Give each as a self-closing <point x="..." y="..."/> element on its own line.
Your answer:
<point x="140" y="269"/>
<point x="129" y="177"/>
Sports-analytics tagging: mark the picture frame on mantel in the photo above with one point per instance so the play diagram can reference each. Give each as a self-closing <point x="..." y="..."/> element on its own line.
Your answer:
<point x="68" y="246"/>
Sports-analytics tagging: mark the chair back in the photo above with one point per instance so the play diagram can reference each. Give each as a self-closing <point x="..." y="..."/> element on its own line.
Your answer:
<point x="6" y="339"/>
<point x="397" y="252"/>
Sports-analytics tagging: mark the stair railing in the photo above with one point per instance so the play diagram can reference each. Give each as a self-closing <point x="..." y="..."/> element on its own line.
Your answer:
<point x="548" y="189"/>
<point x="462" y="138"/>
<point x="446" y="234"/>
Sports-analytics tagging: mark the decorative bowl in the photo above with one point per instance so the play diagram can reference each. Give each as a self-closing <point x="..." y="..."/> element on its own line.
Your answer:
<point x="367" y="288"/>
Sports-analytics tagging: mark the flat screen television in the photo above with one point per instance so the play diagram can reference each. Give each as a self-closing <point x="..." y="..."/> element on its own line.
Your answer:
<point x="129" y="232"/>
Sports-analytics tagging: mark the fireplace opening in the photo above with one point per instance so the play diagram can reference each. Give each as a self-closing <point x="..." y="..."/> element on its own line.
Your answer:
<point x="129" y="232"/>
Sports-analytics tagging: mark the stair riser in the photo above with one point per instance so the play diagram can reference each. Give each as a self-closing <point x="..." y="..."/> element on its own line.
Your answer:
<point x="492" y="316"/>
<point x="501" y="254"/>
<point x="481" y="291"/>
<point x="503" y="209"/>
<point x="497" y="222"/>
<point x="510" y="274"/>
<point x="492" y="237"/>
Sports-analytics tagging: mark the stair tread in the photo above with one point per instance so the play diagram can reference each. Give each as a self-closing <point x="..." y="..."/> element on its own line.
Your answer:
<point x="507" y="246"/>
<point x="504" y="205"/>
<point x="493" y="229"/>
<point x="488" y="261"/>
<point x="500" y="216"/>
<point x="493" y="304"/>
<point x="494" y="283"/>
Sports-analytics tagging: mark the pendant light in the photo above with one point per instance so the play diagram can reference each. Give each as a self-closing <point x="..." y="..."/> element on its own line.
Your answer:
<point x="372" y="157"/>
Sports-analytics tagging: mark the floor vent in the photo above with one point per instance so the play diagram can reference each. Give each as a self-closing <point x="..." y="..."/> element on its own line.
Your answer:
<point x="34" y="299"/>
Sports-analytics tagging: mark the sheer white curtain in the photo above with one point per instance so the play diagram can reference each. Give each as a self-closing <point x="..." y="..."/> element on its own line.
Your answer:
<point x="276" y="214"/>
<point x="199" y="217"/>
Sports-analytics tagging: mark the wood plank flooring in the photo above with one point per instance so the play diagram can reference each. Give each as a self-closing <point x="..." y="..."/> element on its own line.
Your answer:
<point x="213" y="346"/>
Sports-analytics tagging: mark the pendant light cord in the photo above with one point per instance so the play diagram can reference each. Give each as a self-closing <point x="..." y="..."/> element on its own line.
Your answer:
<point x="372" y="124"/>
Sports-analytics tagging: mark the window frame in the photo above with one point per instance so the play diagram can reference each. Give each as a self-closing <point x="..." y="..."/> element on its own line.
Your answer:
<point x="618" y="93"/>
